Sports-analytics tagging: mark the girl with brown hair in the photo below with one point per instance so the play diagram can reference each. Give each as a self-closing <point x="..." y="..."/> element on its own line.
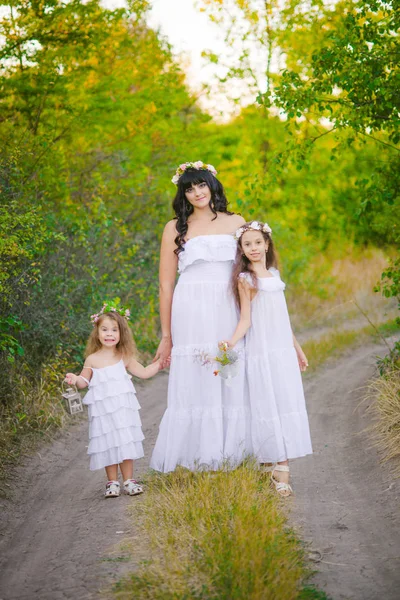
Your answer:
<point x="115" y="433"/>
<point x="274" y="358"/>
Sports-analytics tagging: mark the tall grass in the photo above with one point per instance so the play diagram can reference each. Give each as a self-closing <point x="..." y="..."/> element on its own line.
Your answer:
<point x="384" y="392"/>
<point x="215" y="536"/>
<point x="327" y="291"/>
<point x="35" y="412"/>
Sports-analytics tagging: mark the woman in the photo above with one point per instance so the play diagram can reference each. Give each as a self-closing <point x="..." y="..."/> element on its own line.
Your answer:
<point x="207" y="421"/>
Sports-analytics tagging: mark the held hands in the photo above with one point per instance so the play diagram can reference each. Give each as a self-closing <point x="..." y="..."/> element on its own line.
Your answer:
<point x="163" y="353"/>
<point x="71" y="379"/>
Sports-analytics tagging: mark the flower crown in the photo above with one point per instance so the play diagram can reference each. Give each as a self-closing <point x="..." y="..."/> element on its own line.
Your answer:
<point x="111" y="306"/>
<point x="253" y="226"/>
<point x="199" y="165"/>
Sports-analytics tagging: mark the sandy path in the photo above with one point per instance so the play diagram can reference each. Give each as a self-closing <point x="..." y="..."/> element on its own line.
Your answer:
<point x="59" y="535"/>
<point x="346" y="503"/>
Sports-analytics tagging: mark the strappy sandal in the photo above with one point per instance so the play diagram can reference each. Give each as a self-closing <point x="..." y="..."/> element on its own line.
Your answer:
<point x="132" y="488"/>
<point x="283" y="489"/>
<point x="112" y="489"/>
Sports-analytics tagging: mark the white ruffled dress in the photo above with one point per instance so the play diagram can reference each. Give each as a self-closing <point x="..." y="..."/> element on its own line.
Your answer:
<point x="115" y="428"/>
<point x="279" y="421"/>
<point x="207" y="420"/>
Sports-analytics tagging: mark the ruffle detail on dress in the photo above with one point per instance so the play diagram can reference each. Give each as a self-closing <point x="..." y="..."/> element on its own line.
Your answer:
<point x="266" y="284"/>
<point x="195" y="350"/>
<point x="281" y="438"/>
<point x="207" y="248"/>
<point x="108" y="389"/>
<point x="203" y="438"/>
<point x="116" y="438"/>
<point x="101" y="407"/>
<point x="120" y="419"/>
<point x="115" y="456"/>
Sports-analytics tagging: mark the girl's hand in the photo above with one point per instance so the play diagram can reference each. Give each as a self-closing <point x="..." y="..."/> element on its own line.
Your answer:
<point x="163" y="353"/>
<point x="302" y="358"/>
<point x="71" y="378"/>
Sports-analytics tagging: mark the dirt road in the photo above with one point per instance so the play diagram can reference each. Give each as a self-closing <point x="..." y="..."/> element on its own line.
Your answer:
<point x="59" y="537"/>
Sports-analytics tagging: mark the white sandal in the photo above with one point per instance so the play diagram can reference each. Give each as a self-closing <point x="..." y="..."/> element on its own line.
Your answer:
<point x="112" y="489"/>
<point x="283" y="489"/>
<point x="132" y="488"/>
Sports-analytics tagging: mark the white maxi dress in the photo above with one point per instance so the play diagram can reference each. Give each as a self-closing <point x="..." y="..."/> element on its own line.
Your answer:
<point x="279" y="421"/>
<point x="207" y="421"/>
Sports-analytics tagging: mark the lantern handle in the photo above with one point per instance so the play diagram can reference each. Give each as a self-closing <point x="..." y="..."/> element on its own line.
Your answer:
<point x="70" y="386"/>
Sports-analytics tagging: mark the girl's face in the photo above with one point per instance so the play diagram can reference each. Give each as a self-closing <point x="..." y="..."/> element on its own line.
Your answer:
<point x="254" y="246"/>
<point x="199" y="195"/>
<point x="109" y="333"/>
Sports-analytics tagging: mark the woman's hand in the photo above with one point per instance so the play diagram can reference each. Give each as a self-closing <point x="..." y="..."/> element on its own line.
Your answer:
<point x="302" y="358"/>
<point x="163" y="353"/>
<point x="71" y="378"/>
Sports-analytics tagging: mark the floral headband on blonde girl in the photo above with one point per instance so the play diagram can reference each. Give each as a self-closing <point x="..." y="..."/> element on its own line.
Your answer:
<point x="199" y="165"/>
<point x="112" y="306"/>
<point x="253" y="226"/>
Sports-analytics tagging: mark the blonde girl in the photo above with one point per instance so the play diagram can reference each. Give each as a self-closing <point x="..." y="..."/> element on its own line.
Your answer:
<point x="115" y="433"/>
<point x="274" y="358"/>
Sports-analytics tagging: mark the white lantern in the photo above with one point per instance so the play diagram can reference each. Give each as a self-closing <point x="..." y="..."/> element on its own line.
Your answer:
<point x="73" y="398"/>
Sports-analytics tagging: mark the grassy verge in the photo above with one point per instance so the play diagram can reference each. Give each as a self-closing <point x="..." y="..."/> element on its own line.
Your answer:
<point x="335" y="343"/>
<point x="384" y="392"/>
<point x="216" y="536"/>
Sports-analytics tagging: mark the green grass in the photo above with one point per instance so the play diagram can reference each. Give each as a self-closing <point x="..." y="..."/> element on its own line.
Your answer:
<point x="336" y="343"/>
<point x="216" y="536"/>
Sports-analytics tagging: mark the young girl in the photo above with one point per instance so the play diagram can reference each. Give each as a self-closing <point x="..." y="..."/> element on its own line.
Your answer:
<point x="279" y="425"/>
<point x="115" y="433"/>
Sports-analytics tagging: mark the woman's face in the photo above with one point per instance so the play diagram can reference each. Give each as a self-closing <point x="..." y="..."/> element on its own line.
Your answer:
<point x="254" y="245"/>
<point x="199" y="195"/>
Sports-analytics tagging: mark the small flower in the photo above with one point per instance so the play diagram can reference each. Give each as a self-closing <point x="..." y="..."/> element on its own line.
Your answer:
<point x="212" y="169"/>
<point x="215" y="373"/>
<point x="255" y="225"/>
<point x="198" y="164"/>
<point x="175" y="179"/>
<point x="267" y="228"/>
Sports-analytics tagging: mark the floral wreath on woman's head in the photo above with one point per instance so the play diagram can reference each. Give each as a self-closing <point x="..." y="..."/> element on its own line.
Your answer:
<point x="253" y="226"/>
<point x="110" y="307"/>
<point x="199" y="165"/>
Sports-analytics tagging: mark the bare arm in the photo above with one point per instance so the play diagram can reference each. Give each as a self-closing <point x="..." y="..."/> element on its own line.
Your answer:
<point x="80" y="380"/>
<point x="140" y="371"/>
<point x="167" y="276"/>
<point x="301" y="357"/>
<point x="245" y="313"/>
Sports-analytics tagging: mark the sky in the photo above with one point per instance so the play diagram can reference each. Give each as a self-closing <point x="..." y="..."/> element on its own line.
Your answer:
<point x="190" y="32"/>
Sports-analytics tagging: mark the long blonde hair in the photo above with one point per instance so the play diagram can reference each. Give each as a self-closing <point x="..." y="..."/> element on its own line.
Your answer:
<point x="126" y="345"/>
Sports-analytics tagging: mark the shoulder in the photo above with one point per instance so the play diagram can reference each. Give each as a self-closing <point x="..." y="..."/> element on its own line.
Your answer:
<point x="234" y="220"/>
<point x="170" y="228"/>
<point x="89" y="361"/>
<point x="245" y="280"/>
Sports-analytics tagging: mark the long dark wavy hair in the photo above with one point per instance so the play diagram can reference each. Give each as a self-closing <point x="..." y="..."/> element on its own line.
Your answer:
<point x="243" y="265"/>
<point x="182" y="207"/>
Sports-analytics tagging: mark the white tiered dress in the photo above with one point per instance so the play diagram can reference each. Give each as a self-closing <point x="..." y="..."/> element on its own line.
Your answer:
<point x="279" y="423"/>
<point x="115" y="429"/>
<point x="207" y="420"/>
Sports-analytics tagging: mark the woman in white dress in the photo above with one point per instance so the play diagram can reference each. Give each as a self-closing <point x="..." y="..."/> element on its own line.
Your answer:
<point x="207" y="421"/>
<point x="274" y="358"/>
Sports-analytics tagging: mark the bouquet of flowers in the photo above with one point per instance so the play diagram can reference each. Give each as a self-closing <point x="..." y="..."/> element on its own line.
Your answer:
<point x="226" y="361"/>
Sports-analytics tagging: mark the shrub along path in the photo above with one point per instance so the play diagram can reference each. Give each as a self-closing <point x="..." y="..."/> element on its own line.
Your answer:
<point x="59" y="537"/>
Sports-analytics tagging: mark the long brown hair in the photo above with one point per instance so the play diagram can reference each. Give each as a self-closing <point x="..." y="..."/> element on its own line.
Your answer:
<point x="243" y="265"/>
<point x="126" y="345"/>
